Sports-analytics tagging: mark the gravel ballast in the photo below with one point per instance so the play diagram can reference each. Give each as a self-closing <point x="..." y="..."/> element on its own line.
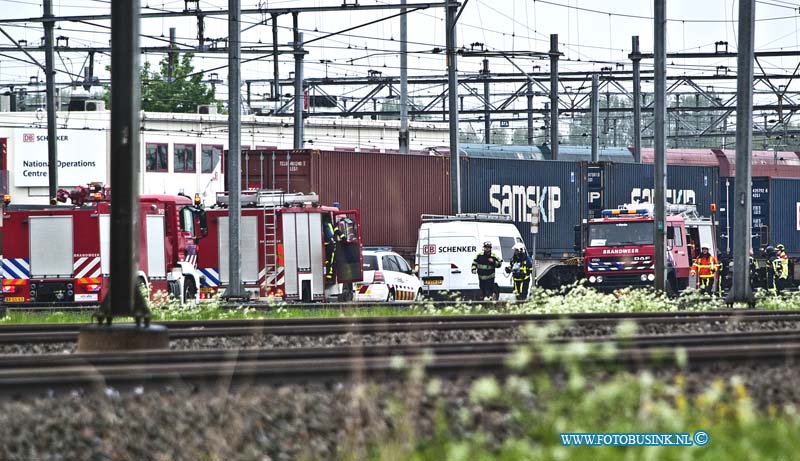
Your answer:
<point x="425" y="336"/>
<point x="301" y="421"/>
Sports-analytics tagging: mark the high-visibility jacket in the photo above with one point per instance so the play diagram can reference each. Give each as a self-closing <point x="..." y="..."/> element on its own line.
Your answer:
<point x="332" y="234"/>
<point x="784" y="263"/>
<point x="705" y="266"/>
<point x="525" y="267"/>
<point x="485" y="264"/>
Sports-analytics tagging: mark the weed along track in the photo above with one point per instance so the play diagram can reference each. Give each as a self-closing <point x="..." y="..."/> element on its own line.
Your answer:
<point x="258" y="386"/>
<point x="332" y="332"/>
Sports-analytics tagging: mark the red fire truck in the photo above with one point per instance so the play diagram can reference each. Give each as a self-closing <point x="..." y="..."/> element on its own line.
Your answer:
<point x="619" y="250"/>
<point x="282" y="248"/>
<point x="61" y="254"/>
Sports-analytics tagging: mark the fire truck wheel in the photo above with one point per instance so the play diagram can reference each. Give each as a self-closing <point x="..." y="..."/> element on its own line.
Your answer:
<point x="189" y="290"/>
<point x="390" y="297"/>
<point x="347" y="293"/>
<point x="419" y="295"/>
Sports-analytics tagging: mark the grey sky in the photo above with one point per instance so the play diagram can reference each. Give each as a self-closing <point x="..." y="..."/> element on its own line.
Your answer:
<point x="509" y="25"/>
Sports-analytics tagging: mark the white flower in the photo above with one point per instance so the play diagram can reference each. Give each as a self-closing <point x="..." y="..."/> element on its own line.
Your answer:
<point x="484" y="389"/>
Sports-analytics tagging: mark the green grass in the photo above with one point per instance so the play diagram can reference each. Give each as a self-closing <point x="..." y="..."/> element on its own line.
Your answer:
<point x="534" y="407"/>
<point x="575" y="299"/>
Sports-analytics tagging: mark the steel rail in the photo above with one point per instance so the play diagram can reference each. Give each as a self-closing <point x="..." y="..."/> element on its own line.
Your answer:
<point x="51" y="333"/>
<point x="154" y="369"/>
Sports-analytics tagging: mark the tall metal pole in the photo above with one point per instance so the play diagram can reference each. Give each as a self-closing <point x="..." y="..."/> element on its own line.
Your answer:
<point x="529" y="95"/>
<point x="595" y="116"/>
<point x="403" y="137"/>
<point x="660" y="56"/>
<point x="125" y="102"/>
<point x="276" y="86"/>
<point x="546" y="128"/>
<point x="554" y="95"/>
<point x="298" y="85"/>
<point x="171" y="62"/>
<point x="487" y="115"/>
<point x="636" y="57"/>
<point x="235" y="150"/>
<point x="742" y="196"/>
<point x="50" y="78"/>
<point x="452" y="82"/>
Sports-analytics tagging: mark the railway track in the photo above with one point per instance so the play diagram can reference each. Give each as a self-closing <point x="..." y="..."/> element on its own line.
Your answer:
<point x="141" y="370"/>
<point x="51" y="333"/>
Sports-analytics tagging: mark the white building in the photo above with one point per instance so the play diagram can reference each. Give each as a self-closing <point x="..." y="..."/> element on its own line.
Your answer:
<point x="179" y="152"/>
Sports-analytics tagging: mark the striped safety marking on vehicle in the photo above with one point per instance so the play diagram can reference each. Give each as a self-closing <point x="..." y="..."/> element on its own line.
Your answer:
<point x="16" y="268"/>
<point x="210" y="277"/>
<point x="276" y="279"/>
<point x="616" y="266"/>
<point x="403" y="293"/>
<point x="86" y="267"/>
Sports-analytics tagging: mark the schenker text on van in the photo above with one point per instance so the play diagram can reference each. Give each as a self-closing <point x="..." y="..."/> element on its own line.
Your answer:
<point x="458" y="249"/>
<point x="517" y="201"/>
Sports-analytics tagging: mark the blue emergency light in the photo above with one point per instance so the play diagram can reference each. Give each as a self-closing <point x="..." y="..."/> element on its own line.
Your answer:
<point x="631" y="211"/>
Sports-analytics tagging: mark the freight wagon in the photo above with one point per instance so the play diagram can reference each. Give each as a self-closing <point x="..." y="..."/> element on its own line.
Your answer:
<point x="393" y="190"/>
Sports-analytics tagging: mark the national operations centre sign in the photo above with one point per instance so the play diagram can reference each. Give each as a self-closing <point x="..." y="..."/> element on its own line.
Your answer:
<point x="81" y="157"/>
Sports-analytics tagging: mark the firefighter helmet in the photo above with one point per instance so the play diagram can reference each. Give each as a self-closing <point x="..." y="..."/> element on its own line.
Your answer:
<point x="780" y="247"/>
<point x="770" y="250"/>
<point x="487" y="244"/>
<point x="519" y="247"/>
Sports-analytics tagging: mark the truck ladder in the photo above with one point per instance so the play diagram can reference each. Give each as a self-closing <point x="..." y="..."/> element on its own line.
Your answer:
<point x="270" y="247"/>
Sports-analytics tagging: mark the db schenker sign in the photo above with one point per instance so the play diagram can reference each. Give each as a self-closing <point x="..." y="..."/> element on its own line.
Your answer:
<point x="81" y="157"/>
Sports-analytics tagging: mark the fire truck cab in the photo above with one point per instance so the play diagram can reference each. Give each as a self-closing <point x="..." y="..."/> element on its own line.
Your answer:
<point x="619" y="250"/>
<point x="282" y="248"/>
<point x="61" y="254"/>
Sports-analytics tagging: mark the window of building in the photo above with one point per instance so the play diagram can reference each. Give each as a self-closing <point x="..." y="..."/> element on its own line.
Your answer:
<point x="184" y="158"/>
<point x="209" y="157"/>
<point x="156" y="157"/>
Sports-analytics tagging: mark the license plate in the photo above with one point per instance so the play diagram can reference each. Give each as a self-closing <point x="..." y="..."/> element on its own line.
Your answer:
<point x="82" y="298"/>
<point x="15" y="299"/>
<point x="434" y="282"/>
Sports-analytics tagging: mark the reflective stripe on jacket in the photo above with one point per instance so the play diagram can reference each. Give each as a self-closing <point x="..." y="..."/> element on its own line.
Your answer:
<point x="525" y="266"/>
<point x="784" y="264"/>
<point x="705" y="266"/>
<point x="486" y="264"/>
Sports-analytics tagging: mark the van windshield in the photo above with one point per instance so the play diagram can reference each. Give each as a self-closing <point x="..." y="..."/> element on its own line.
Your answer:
<point x="620" y="233"/>
<point x="507" y="248"/>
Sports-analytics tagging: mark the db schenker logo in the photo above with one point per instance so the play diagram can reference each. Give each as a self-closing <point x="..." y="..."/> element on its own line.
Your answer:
<point x="429" y="249"/>
<point x="28" y="137"/>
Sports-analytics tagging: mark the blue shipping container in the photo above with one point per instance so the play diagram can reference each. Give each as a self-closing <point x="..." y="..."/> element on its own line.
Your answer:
<point x="785" y="214"/>
<point x="632" y="183"/>
<point x="513" y="186"/>
<point x="761" y="230"/>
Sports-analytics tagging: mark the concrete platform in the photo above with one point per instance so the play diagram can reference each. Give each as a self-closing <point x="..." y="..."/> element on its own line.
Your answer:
<point x="122" y="337"/>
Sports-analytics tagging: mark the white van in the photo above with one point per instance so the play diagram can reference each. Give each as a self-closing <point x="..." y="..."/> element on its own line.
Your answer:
<point x="447" y="245"/>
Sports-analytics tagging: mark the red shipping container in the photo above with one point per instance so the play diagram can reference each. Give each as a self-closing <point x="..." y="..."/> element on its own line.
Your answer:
<point x="390" y="190"/>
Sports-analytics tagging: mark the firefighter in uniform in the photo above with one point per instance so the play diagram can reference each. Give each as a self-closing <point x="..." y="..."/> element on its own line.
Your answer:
<point x="332" y="236"/>
<point x="783" y="275"/>
<point x="705" y="267"/>
<point x="520" y="269"/>
<point x="484" y="265"/>
<point x="774" y="269"/>
<point x="753" y="271"/>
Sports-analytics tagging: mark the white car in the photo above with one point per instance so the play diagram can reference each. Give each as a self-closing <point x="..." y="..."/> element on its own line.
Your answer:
<point x="387" y="277"/>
